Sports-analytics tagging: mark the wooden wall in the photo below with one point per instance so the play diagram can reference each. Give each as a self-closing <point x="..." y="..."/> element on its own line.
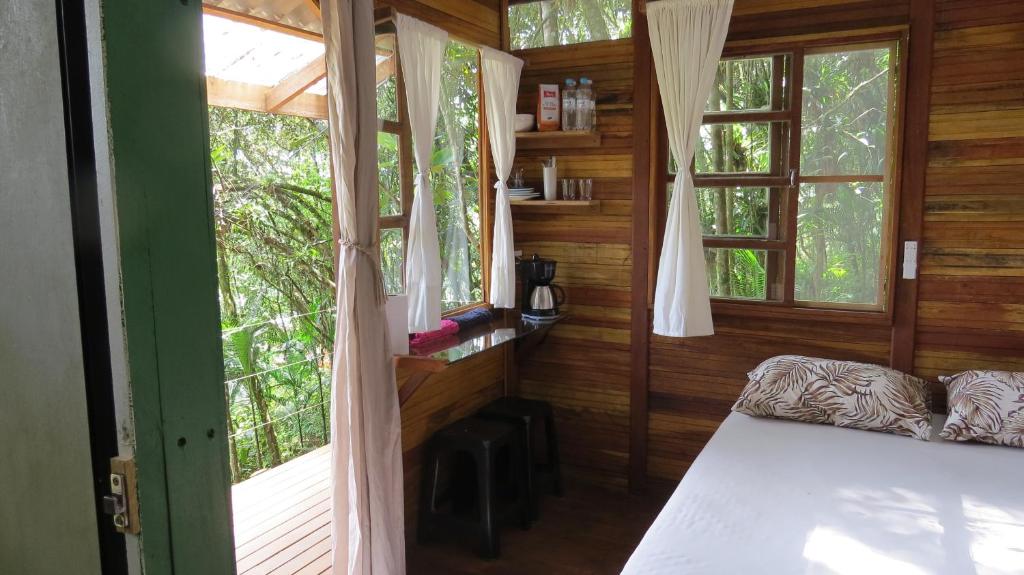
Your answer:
<point x="694" y="382"/>
<point x="476" y="21"/>
<point x="970" y="311"/>
<point x="971" y="293"/>
<point x="583" y="368"/>
<point x="970" y="307"/>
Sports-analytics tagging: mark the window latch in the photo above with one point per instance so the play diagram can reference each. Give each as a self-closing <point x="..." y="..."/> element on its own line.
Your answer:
<point x="792" y="177"/>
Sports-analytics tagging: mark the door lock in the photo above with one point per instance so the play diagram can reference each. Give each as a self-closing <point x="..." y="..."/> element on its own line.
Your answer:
<point x="122" y="503"/>
<point x="114" y="504"/>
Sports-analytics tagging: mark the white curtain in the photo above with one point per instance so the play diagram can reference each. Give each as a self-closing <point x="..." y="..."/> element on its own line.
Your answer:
<point x="687" y="37"/>
<point x="420" y="47"/>
<point x="367" y="524"/>
<point x="456" y="283"/>
<point x="501" y="88"/>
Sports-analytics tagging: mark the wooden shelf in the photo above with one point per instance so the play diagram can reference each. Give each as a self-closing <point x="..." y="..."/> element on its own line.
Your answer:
<point x="557" y="206"/>
<point x="546" y="140"/>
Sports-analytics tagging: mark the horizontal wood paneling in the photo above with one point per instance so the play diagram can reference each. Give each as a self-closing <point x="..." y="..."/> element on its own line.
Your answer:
<point x="445" y="397"/>
<point x="971" y="294"/>
<point x="583" y="368"/>
<point x="971" y="288"/>
<point x="475" y="21"/>
<point x="695" y="381"/>
<point x="753" y="19"/>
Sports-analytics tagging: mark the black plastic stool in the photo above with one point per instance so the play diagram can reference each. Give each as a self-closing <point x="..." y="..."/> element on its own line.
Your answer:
<point x="481" y="442"/>
<point x="527" y="414"/>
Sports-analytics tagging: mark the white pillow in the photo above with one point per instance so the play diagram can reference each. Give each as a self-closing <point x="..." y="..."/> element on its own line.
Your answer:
<point x="985" y="406"/>
<point x="840" y="393"/>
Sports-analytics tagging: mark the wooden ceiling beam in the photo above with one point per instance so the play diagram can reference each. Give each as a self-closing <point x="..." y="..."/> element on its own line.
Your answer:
<point x="228" y="94"/>
<point x="295" y="84"/>
<point x="385" y="69"/>
<point x="262" y="23"/>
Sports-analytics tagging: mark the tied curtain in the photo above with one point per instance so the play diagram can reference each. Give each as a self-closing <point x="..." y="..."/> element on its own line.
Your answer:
<point x="501" y="87"/>
<point x="420" y="47"/>
<point x="687" y="37"/>
<point x="367" y="524"/>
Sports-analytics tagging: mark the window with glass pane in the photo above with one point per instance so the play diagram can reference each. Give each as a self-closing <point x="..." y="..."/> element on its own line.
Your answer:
<point x="387" y="79"/>
<point x="844" y="171"/>
<point x="561" y="22"/>
<point x="824" y="214"/>
<point x="845" y="115"/>
<point x="394" y="164"/>
<point x="735" y="212"/>
<point x="839" y="242"/>
<point x="456" y="178"/>
<point x="389" y="179"/>
<point x="454" y="173"/>
<point x="742" y="84"/>
<point x="734" y="148"/>
<point x="738" y="273"/>
<point x="392" y="259"/>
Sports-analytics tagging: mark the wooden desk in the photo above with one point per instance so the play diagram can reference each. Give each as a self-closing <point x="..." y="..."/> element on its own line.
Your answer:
<point x="524" y="334"/>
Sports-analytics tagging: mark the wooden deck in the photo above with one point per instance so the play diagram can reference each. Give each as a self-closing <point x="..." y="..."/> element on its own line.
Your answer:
<point x="282" y="518"/>
<point x="282" y="526"/>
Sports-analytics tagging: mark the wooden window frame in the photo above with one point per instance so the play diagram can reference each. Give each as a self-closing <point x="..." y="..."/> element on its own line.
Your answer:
<point x="403" y="130"/>
<point x="786" y="183"/>
<point x="399" y="127"/>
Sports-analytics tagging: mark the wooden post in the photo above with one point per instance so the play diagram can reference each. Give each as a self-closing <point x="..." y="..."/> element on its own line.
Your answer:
<point x="912" y="187"/>
<point x="639" y="324"/>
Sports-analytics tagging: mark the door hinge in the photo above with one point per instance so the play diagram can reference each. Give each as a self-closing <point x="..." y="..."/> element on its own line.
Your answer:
<point x="122" y="504"/>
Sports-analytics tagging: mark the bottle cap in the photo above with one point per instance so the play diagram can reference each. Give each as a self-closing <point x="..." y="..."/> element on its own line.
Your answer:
<point x="585" y="81"/>
<point x="570" y="82"/>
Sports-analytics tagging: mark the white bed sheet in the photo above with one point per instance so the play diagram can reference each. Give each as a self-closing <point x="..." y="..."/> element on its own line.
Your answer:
<point x="779" y="497"/>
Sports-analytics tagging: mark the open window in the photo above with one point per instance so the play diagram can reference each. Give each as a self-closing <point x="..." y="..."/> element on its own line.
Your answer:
<point x="793" y="174"/>
<point x="454" y="171"/>
<point x="535" y="24"/>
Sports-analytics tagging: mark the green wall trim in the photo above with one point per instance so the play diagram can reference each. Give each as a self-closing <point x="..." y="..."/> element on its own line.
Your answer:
<point x="160" y="150"/>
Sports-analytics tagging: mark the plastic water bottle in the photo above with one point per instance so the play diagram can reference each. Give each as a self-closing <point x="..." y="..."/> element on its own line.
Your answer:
<point x="585" y="105"/>
<point x="591" y="103"/>
<point x="569" y="105"/>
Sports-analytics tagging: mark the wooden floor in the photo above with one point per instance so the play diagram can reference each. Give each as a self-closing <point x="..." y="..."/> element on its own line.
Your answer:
<point x="282" y="518"/>
<point x="589" y="531"/>
<point x="282" y="526"/>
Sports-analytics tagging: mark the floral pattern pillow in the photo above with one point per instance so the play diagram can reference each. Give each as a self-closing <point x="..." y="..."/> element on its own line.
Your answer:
<point x="985" y="406"/>
<point x="840" y="393"/>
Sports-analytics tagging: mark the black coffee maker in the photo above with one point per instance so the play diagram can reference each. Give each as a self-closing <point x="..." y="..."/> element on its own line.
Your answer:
<point x="539" y="294"/>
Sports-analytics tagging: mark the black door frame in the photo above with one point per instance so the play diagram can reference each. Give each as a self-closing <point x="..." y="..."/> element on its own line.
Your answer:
<point x="86" y="231"/>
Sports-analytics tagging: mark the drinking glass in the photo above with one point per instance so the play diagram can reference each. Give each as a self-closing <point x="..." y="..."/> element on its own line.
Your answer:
<point x="517" y="179"/>
<point x="586" y="189"/>
<point x="568" y="189"/>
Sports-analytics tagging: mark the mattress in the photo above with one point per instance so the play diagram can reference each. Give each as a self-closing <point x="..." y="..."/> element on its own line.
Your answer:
<point x="781" y="497"/>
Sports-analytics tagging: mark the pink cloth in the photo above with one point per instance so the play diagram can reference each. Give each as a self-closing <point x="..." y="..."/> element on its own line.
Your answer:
<point x="437" y="344"/>
<point x="448" y="328"/>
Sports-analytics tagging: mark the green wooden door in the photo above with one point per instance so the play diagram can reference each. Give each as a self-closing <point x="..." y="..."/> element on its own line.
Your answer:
<point x="160" y="166"/>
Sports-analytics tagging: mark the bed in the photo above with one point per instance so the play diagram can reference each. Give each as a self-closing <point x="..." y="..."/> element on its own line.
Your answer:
<point x="778" y="497"/>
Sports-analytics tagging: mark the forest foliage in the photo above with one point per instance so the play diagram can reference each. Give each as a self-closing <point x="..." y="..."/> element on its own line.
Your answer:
<point x="844" y="128"/>
<point x="272" y="206"/>
<point x="561" y="22"/>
